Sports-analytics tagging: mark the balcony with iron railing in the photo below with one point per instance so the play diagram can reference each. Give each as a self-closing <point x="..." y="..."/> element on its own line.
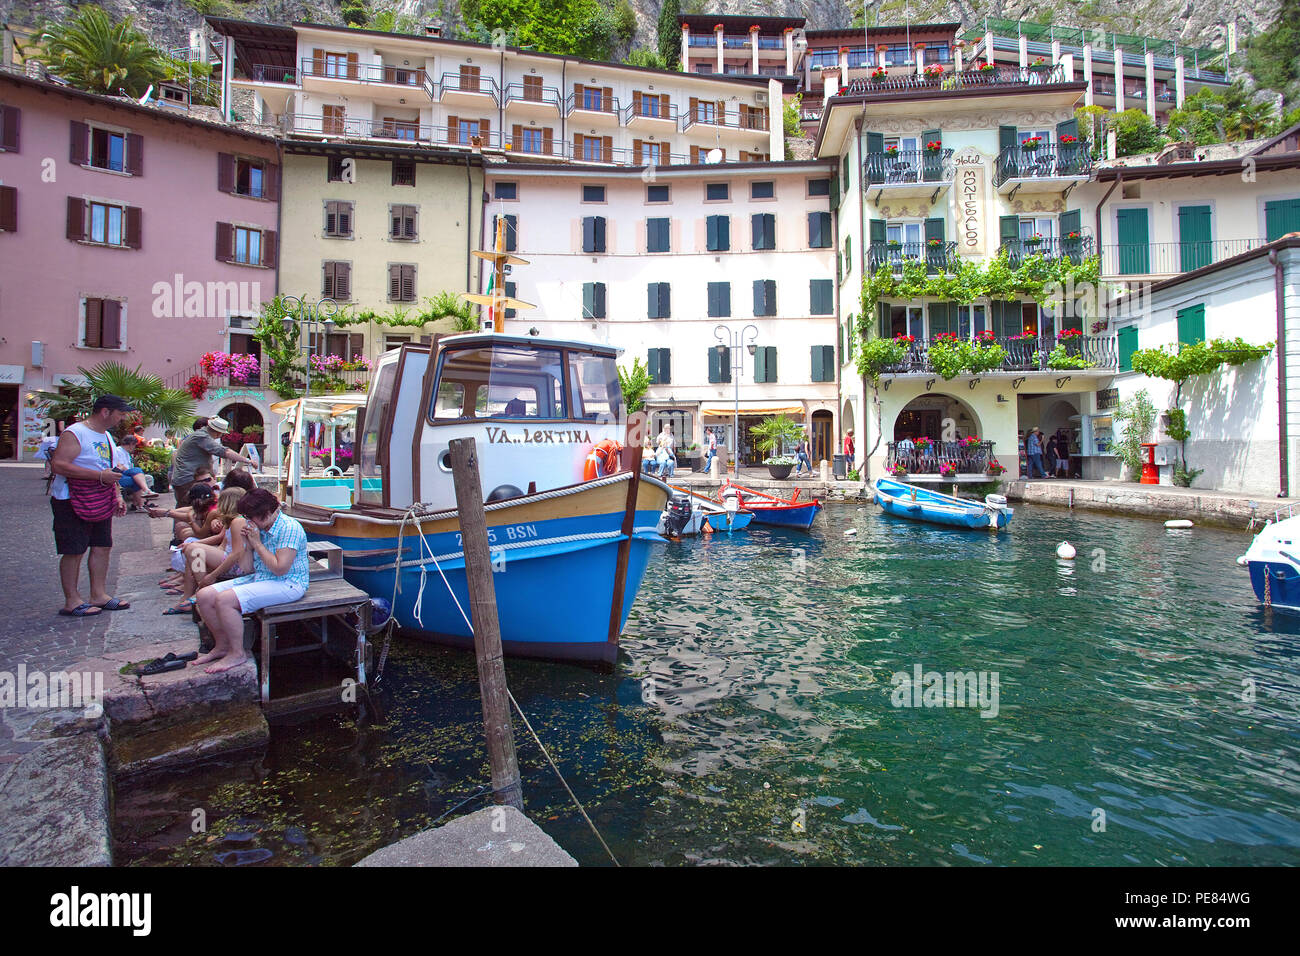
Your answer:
<point x="708" y="40"/>
<point x="1064" y="162"/>
<point x="771" y="43"/>
<point x="1170" y="258"/>
<point x="527" y="97"/>
<point x="267" y="73"/>
<point x="938" y="255"/>
<point x="649" y="112"/>
<point x="404" y="131"/>
<point x="1053" y="247"/>
<point x="469" y="89"/>
<point x="412" y="77"/>
<point x="754" y="121"/>
<point x="908" y="166"/>
<point x="592" y="106"/>
<point x="1026" y="353"/>
<point x="976" y="79"/>
<point x="966" y="458"/>
<point x="322" y="382"/>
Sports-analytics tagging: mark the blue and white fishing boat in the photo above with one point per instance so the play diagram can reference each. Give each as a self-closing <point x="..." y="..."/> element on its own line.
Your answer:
<point x="571" y="525"/>
<point x="1273" y="560"/>
<point x="921" y="504"/>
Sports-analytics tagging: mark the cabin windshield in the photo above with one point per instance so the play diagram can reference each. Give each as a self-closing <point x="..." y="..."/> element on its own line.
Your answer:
<point x="500" y="381"/>
<point x="370" y="463"/>
<point x="596" y="390"/>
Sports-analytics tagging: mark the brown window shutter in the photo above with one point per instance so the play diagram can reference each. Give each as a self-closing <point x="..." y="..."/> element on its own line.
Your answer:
<point x="9" y="128"/>
<point x="577" y="146"/>
<point x="225" y="173"/>
<point x="342" y="281"/>
<point x="225" y="242"/>
<point x="408" y="283"/>
<point x="695" y="108"/>
<point x="664" y="104"/>
<point x="665" y="150"/>
<point x="695" y="155"/>
<point x="484" y="129"/>
<point x="134" y="227"/>
<point x="577" y="95"/>
<point x="271" y="181"/>
<point x="269" y="250"/>
<point x="318" y="62"/>
<point x="111" y="336"/>
<point x="607" y="142"/>
<point x="722" y="112"/>
<point x="331" y="217"/>
<point x="607" y="99"/>
<point x="80" y="144"/>
<point x="516" y="137"/>
<point x="394" y="282"/>
<point x="327" y="280"/>
<point x="353" y="68"/>
<point x="345" y="218"/>
<point x="76" y="218"/>
<point x="744" y="113"/>
<point x="547" y="140"/>
<point x="135" y="154"/>
<point x="94" y="322"/>
<point x="637" y="146"/>
<point x="409" y="225"/>
<point x="356" y="344"/>
<point x="636" y="102"/>
<point x="453" y="129"/>
<point x="8" y="208"/>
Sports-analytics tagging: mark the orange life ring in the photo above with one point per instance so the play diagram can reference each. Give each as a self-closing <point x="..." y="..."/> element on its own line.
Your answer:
<point x="603" y="460"/>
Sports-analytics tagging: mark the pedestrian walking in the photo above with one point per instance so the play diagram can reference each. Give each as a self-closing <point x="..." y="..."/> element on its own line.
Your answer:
<point x="711" y="448"/>
<point x="1034" y="452"/>
<point x="197" y="450"/>
<point x="848" y="449"/>
<point x="801" y="455"/>
<point x="84" y="497"/>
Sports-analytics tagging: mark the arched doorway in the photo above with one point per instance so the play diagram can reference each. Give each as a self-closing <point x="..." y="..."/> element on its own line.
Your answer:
<point x="932" y="432"/>
<point x="936" y="416"/>
<point x="822" y="436"/>
<point x="246" y="425"/>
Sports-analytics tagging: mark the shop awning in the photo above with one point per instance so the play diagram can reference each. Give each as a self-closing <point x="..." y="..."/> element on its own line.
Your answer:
<point x="752" y="408"/>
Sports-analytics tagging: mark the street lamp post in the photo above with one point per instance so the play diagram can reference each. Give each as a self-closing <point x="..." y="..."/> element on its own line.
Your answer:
<point x="731" y="340"/>
<point x="309" y="316"/>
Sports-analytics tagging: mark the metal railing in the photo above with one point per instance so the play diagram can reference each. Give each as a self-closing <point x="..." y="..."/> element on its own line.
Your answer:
<point x="270" y="73"/>
<point x="1170" y="258"/>
<point x="939" y="257"/>
<point x="651" y="108"/>
<point x="545" y="95"/>
<point x="594" y="104"/>
<point x="1053" y="247"/>
<point x="771" y="43"/>
<point x="460" y="83"/>
<point x="909" y="166"/>
<point x="755" y="121"/>
<point x="732" y="42"/>
<point x="696" y="40"/>
<point x="401" y="130"/>
<point x="1048" y="161"/>
<point x="1026" y="353"/>
<point x="967" y="458"/>
<point x="413" y="77"/>
<point x="971" y="79"/>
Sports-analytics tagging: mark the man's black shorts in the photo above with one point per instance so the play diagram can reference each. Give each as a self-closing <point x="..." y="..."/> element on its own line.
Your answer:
<point x="73" y="535"/>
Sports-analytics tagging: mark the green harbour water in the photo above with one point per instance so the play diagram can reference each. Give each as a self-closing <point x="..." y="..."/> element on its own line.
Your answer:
<point x="752" y="716"/>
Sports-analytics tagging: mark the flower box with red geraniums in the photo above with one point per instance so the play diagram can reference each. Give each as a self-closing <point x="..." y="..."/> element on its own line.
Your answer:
<point x="1040" y="63"/>
<point x="1032" y="143"/>
<point x="905" y="339"/>
<point x="1069" y="333"/>
<point x="985" y="335"/>
<point x="1068" y="140"/>
<point x="1073" y="235"/>
<point x="879" y="73"/>
<point x="1033" y="240"/>
<point x="933" y="146"/>
<point x="934" y="70"/>
<point x="946" y="337"/>
<point x="994" y="468"/>
<point x="923" y="443"/>
<point x="1023" y="337"/>
<point x="987" y="67"/>
<point x="970" y="441"/>
<point x="898" y="470"/>
<point x="934" y="243"/>
<point x="948" y="470"/>
<point x="197" y="386"/>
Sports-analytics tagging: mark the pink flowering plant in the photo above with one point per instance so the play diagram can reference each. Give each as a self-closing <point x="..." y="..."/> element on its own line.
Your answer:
<point x="233" y="365"/>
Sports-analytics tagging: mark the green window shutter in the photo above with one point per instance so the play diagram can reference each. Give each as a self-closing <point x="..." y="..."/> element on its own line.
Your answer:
<point x="850" y="333"/>
<point x="1193" y="237"/>
<point x="652" y="362"/>
<point x="1128" y="343"/>
<point x="769" y="365"/>
<point x="652" y="300"/>
<point x="934" y="229"/>
<point x="719" y="299"/>
<point x="846" y="173"/>
<point x="1191" y="324"/>
<point x="876" y="233"/>
<point x="715" y="363"/>
<point x="1009" y="231"/>
<point x="719" y="233"/>
<point x="821" y="299"/>
<point x="760" y="364"/>
<point x="764" y="297"/>
<point x="657" y="235"/>
<point x="665" y="300"/>
<point x="1006" y="319"/>
<point x="763" y="227"/>
<point x="1007" y="136"/>
<point x="931" y="163"/>
<point x="719" y="364"/>
<point x="882" y="319"/>
<point x="1132" y="235"/>
<point x="1280" y="217"/>
<point x="510" y="294"/>
<point x="941" y="317"/>
<point x="935" y="257"/>
<point x="1071" y="221"/>
<point x="835" y="192"/>
<point x="1068" y="127"/>
<point x="818" y="364"/>
<point x="665" y="366"/>
<point x="875" y="157"/>
<point x="588" y="300"/>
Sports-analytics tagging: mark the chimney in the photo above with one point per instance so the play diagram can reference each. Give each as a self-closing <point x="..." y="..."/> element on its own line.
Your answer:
<point x="433" y="30"/>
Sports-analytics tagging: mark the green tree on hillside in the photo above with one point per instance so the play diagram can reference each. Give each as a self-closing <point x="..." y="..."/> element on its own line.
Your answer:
<point x="670" y="34"/>
<point x="584" y="28"/>
<point x="93" y="53"/>
<point x="1273" y="57"/>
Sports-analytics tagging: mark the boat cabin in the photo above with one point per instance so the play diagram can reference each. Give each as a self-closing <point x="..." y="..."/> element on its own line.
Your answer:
<point x="535" y="407"/>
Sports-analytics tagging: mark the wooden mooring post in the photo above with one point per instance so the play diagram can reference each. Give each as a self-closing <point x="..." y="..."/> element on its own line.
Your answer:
<point x="506" y="786"/>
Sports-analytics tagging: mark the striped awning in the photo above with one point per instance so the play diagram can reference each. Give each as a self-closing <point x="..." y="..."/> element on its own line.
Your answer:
<point x="753" y="408"/>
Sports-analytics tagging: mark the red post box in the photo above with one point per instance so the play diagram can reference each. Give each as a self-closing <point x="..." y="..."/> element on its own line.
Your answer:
<point x="1150" y="474"/>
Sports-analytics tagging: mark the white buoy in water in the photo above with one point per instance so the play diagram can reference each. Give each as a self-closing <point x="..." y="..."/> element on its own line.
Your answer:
<point x="851" y="531"/>
<point x="1178" y="523"/>
<point x="1065" y="551"/>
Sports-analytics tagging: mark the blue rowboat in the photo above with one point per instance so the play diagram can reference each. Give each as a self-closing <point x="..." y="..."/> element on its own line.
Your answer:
<point x="718" y="520"/>
<point x="780" y="512"/>
<point x="1274" y="565"/>
<point x="921" y="504"/>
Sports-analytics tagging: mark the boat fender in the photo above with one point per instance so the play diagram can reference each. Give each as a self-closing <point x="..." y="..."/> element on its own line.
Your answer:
<point x="603" y="460"/>
<point x="1065" y="551"/>
<point x="1178" y="523"/>
<point x="501" y="492"/>
<point x="851" y="531"/>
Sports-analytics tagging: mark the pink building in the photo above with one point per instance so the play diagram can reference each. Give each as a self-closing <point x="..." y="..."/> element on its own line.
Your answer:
<point x="137" y="234"/>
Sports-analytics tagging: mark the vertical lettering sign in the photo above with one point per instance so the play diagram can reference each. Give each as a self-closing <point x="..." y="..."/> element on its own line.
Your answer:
<point x="972" y="231"/>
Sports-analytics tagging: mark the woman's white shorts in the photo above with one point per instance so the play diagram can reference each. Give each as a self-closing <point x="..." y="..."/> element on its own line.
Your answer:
<point x="256" y="595"/>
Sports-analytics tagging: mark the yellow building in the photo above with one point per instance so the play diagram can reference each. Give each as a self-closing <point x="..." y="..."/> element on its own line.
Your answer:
<point x="381" y="230"/>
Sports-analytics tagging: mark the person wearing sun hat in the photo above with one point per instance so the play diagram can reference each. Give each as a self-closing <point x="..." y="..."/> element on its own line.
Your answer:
<point x="196" y="451"/>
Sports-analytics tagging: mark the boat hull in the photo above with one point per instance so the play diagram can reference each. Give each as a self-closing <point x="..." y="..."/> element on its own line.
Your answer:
<point x="920" y="504"/>
<point x="1283" y="588"/>
<point x="555" y="562"/>
<point x="785" y="516"/>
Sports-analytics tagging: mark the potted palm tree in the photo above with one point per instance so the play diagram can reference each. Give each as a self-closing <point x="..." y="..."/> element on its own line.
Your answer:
<point x="770" y="436"/>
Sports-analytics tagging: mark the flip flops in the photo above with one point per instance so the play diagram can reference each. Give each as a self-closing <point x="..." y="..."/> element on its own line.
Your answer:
<point x="168" y="662"/>
<point x="178" y="610"/>
<point x="81" y="610"/>
<point x="114" y="604"/>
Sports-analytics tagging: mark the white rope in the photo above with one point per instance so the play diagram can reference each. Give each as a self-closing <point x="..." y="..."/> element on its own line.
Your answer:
<point x="452" y="555"/>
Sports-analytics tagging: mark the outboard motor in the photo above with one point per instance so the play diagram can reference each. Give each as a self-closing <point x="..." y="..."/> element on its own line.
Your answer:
<point x="995" y="504"/>
<point x="677" y="515"/>
<point x="730" y="503"/>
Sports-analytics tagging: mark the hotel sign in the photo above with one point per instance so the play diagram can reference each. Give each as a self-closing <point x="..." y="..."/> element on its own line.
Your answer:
<point x="972" y="202"/>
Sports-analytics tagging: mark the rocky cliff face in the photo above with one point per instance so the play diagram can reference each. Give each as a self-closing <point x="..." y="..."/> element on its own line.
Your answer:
<point x="1195" y="22"/>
